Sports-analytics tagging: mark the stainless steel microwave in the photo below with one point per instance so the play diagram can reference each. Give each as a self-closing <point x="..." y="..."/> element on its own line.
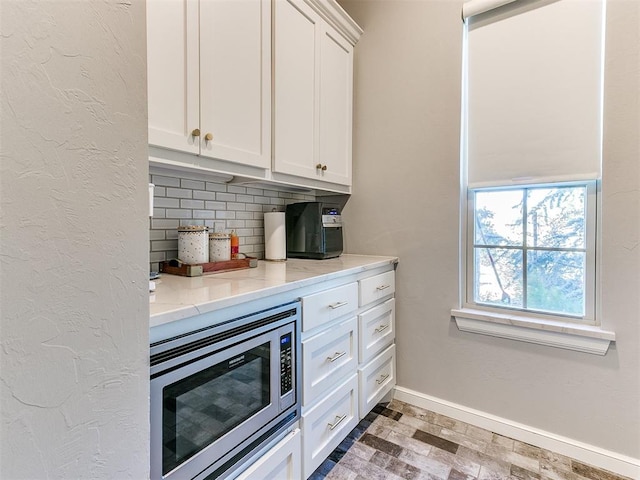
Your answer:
<point x="221" y="393"/>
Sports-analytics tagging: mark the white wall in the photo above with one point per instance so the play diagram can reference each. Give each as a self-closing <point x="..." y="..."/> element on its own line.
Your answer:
<point x="74" y="240"/>
<point x="405" y="203"/>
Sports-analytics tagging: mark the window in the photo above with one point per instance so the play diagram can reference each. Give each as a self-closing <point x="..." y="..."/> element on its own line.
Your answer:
<point x="532" y="248"/>
<point x="531" y="149"/>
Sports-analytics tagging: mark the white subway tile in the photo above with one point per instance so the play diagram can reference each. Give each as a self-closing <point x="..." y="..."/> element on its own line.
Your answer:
<point x="201" y="195"/>
<point x="224" y="215"/>
<point x="236" y="224"/>
<point x="192" y="184"/>
<point x="178" y="213"/>
<point x="179" y="193"/>
<point x="216" y="187"/>
<point x="226" y="197"/>
<point x="245" y="198"/>
<point x="160" y="180"/>
<point x="204" y="214"/>
<point x="236" y="189"/>
<point x="215" y="205"/>
<point x="157" y="234"/>
<point x="157" y="224"/>
<point x="163" y="245"/>
<point x="236" y="206"/>
<point x="186" y="203"/>
<point x="163" y="202"/>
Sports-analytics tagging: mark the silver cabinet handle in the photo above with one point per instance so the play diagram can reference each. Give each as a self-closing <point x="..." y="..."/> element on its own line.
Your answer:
<point x="381" y="328"/>
<point x="382" y="379"/>
<point x="383" y="287"/>
<point x="337" y="422"/>
<point x="333" y="306"/>
<point x="336" y="356"/>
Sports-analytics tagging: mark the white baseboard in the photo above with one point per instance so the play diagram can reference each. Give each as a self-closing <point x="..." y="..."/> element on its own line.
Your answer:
<point x="583" y="452"/>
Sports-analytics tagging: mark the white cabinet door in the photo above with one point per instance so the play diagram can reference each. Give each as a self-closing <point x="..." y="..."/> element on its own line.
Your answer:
<point x="322" y="307"/>
<point x="377" y="287"/>
<point x="295" y="80"/>
<point x="209" y="78"/>
<point x="376" y="329"/>
<point x="282" y="462"/>
<point x="336" y="99"/>
<point x="376" y="379"/>
<point x="328" y="358"/>
<point x="328" y="423"/>
<point x="172" y="71"/>
<point x="313" y="95"/>
<point x="235" y="80"/>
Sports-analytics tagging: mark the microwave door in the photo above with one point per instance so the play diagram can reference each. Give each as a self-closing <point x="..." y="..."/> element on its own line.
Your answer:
<point x="220" y="399"/>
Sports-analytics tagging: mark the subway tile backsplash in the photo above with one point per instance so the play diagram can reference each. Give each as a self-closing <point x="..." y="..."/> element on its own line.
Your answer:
<point x="220" y="206"/>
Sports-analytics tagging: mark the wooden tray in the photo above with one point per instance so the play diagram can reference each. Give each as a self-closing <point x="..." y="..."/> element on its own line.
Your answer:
<point x="174" y="267"/>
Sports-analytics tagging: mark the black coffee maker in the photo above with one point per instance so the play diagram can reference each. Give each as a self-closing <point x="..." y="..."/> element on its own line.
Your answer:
<point x="314" y="230"/>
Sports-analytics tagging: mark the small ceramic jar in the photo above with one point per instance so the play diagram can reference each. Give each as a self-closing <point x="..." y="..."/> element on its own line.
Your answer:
<point x="219" y="247"/>
<point x="193" y="244"/>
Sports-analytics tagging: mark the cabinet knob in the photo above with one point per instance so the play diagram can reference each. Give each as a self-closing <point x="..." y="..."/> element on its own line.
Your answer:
<point x="195" y="132"/>
<point x="324" y="167"/>
<point x="319" y="166"/>
<point x="208" y="137"/>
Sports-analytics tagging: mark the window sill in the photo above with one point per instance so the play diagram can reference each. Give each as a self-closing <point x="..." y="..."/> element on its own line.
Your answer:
<point x="570" y="336"/>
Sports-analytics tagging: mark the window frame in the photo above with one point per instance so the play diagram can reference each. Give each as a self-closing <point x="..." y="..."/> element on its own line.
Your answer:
<point x="591" y="229"/>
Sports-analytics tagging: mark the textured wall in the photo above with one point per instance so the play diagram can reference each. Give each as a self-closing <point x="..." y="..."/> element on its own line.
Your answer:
<point x="405" y="203"/>
<point x="74" y="240"/>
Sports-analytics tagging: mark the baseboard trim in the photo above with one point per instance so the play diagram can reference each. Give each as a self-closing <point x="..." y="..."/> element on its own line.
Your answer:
<point x="590" y="454"/>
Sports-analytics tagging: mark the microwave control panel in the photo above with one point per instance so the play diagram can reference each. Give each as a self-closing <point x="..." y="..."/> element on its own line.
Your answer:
<point x="286" y="365"/>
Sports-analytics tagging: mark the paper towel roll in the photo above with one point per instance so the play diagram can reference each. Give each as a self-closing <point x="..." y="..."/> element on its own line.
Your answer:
<point x="275" y="238"/>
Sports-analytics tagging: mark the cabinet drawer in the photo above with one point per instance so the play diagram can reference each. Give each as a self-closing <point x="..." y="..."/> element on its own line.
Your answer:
<point x="282" y="462"/>
<point x="377" y="287"/>
<point x="376" y="379"/>
<point x="323" y="307"/>
<point x="328" y="357"/>
<point x="328" y="423"/>
<point x="376" y="329"/>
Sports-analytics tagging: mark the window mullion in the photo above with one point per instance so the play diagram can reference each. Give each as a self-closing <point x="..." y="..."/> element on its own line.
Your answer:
<point x="524" y="248"/>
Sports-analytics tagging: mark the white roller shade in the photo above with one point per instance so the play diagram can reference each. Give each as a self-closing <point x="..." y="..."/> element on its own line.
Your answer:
<point x="534" y="78"/>
<point x="476" y="7"/>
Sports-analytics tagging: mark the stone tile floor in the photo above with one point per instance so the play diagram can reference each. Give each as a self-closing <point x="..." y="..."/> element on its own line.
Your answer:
<point x="400" y="441"/>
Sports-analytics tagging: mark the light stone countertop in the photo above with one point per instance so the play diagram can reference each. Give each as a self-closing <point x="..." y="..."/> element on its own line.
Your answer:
<point x="178" y="297"/>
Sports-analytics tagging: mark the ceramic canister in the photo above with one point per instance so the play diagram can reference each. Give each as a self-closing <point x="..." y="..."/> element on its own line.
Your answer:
<point x="219" y="247"/>
<point x="193" y="244"/>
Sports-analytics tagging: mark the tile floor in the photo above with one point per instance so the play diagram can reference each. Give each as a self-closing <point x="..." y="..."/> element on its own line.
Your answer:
<point x="399" y="441"/>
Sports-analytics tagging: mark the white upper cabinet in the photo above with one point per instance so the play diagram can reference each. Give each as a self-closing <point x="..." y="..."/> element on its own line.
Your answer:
<point x="209" y="77"/>
<point x="313" y="95"/>
<point x="295" y="79"/>
<point x="336" y="107"/>
<point x="212" y="108"/>
<point x="172" y="73"/>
